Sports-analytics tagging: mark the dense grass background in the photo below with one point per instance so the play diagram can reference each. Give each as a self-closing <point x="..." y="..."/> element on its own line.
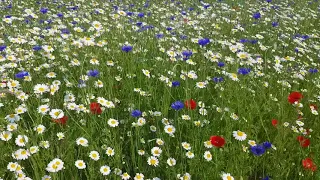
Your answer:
<point x="249" y="98"/>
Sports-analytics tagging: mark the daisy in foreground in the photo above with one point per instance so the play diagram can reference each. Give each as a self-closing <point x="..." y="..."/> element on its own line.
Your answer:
<point x="239" y="135"/>
<point x="227" y="176"/>
<point x="55" y="165"/>
<point x="80" y="164"/>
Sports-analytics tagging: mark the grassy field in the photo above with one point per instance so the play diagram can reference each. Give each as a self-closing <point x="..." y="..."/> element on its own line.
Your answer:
<point x="201" y="90"/>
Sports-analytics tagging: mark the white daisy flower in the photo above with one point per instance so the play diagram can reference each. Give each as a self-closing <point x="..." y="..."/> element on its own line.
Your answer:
<point x="156" y="151"/>
<point x="5" y="135"/>
<point x="125" y="176"/>
<point x="80" y="164"/>
<point x="169" y="129"/>
<point x="55" y="165"/>
<point x="227" y="176"/>
<point x="207" y="155"/>
<point x="153" y="161"/>
<point x="105" y="170"/>
<point x="113" y="122"/>
<point x="239" y="135"/>
<point x="94" y="155"/>
<point x="21" y="140"/>
<point x="171" y="162"/>
<point x="110" y="151"/>
<point x="82" y="141"/>
<point x="56" y="113"/>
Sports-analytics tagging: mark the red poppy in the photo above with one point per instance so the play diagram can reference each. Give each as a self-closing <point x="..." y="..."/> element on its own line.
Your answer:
<point x="217" y="141"/>
<point x="304" y="142"/>
<point x="95" y="108"/>
<point x="300" y="138"/>
<point x="274" y="122"/>
<point x="294" y="97"/>
<point x="307" y="163"/>
<point x="62" y="120"/>
<point x="191" y="104"/>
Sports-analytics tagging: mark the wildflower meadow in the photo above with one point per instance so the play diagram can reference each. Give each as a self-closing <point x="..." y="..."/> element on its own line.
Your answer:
<point x="159" y="89"/>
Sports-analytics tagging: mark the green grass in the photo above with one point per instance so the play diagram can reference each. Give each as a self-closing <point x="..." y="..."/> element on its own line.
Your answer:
<point x="249" y="98"/>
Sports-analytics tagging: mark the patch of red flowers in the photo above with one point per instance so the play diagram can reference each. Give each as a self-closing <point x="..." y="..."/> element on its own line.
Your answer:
<point x="308" y="164"/>
<point x="274" y="122"/>
<point x="217" y="141"/>
<point x="95" y="108"/>
<point x="304" y="142"/>
<point x="294" y="97"/>
<point x="62" y="120"/>
<point x="190" y="104"/>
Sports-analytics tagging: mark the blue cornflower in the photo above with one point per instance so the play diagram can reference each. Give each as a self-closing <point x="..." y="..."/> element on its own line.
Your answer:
<point x="244" y="71"/>
<point x="204" y="41"/>
<point x="175" y="83"/>
<point x="73" y="8"/>
<point x="158" y="36"/>
<point x="44" y="10"/>
<point x="256" y="15"/>
<point x="126" y="48"/>
<point x="268" y="1"/>
<point x="183" y="37"/>
<point x="221" y="64"/>
<point x="21" y="74"/>
<point x="267" y="145"/>
<point x="129" y="13"/>
<point x="218" y="79"/>
<point x="136" y="113"/>
<point x="254" y="41"/>
<point x="243" y="40"/>
<point x="206" y="6"/>
<point x="266" y="178"/>
<point x="65" y="31"/>
<point x="313" y="70"/>
<point x="169" y="28"/>
<point x="141" y="15"/>
<point x="93" y="73"/>
<point x="305" y="37"/>
<point x="258" y="150"/>
<point x="186" y="54"/>
<point x="60" y="15"/>
<point x="37" y="48"/>
<point x="177" y="105"/>
<point x="139" y="23"/>
<point x="3" y="47"/>
<point x="275" y="24"/>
